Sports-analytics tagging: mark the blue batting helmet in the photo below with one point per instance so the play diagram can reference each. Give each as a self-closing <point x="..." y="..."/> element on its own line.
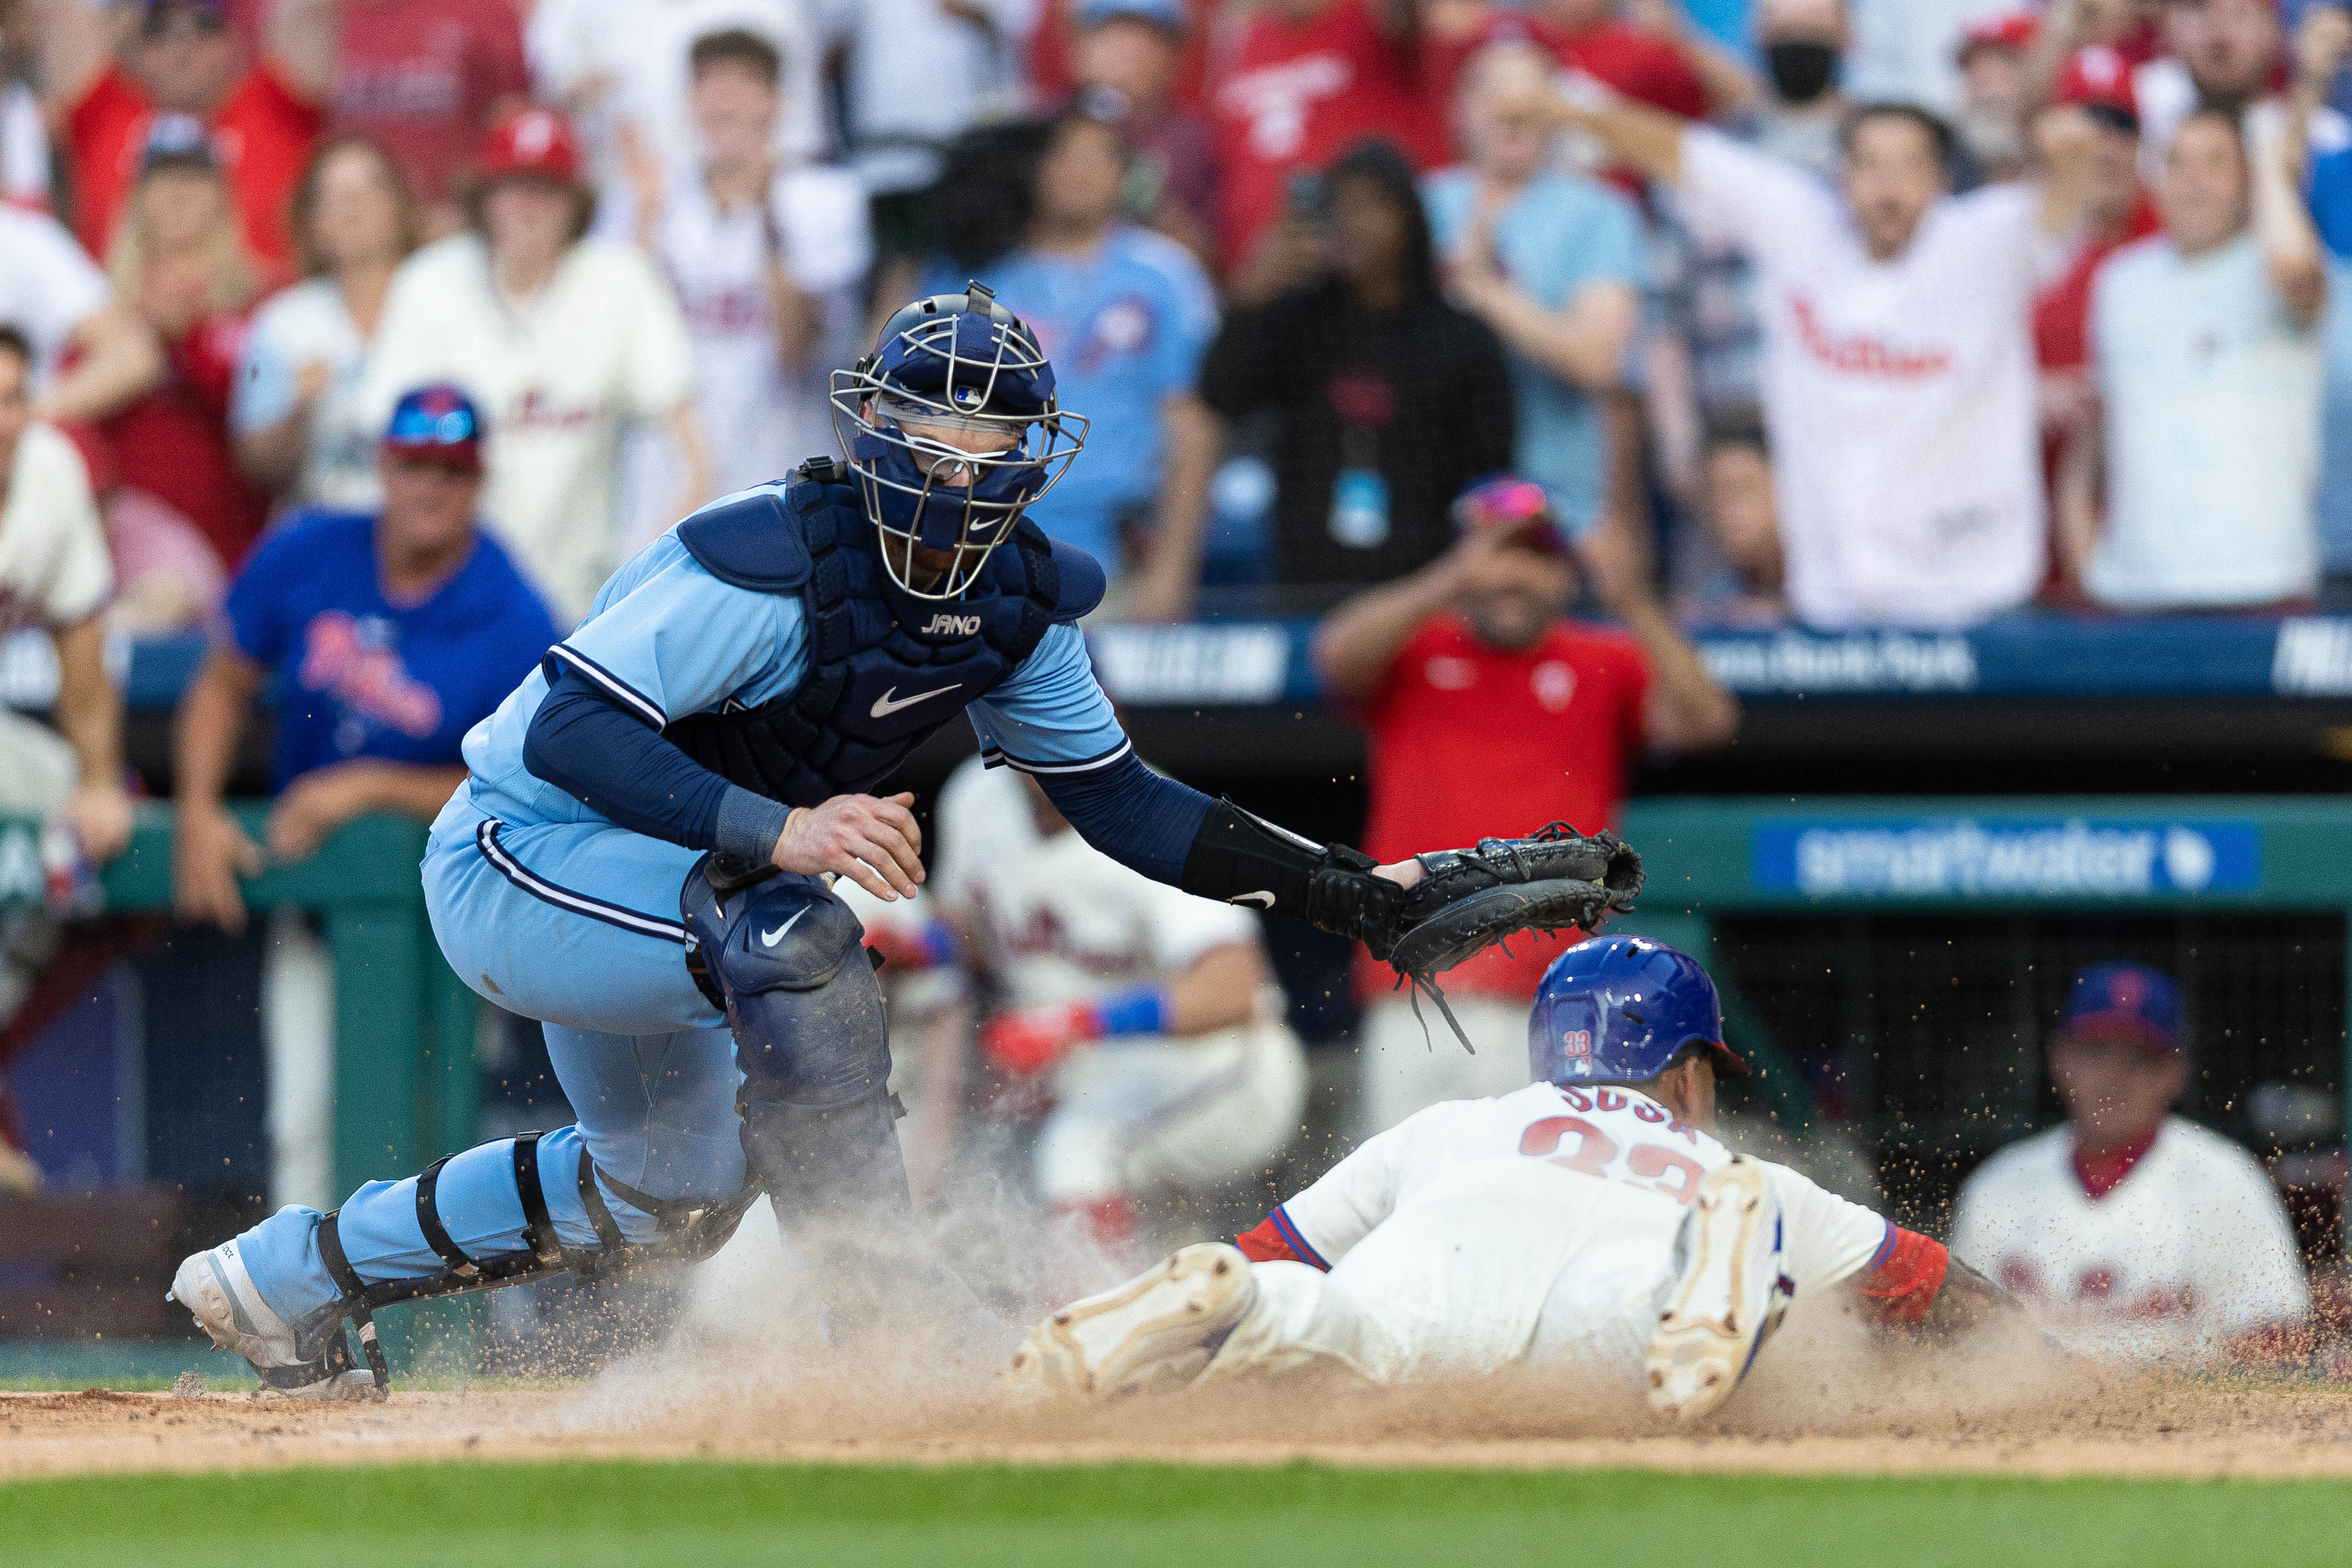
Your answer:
<point x="1616" y="1009"/>
<point x="952" y="427"/>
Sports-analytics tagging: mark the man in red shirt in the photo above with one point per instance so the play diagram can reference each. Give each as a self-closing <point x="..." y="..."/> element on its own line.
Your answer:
<point x="1486" y="712"/>
<point x="424" y="78"/>
<point x="1298" y="83"/>
<point x="183" y="59"/>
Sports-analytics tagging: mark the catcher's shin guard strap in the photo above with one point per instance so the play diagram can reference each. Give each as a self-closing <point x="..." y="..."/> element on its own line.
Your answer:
<point x="1241" y="858"/>
<point x="355" y="1303"/>
<point x="428" y="1220"/>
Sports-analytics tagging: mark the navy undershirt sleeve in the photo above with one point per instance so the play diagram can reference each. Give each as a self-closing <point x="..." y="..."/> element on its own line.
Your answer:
<point x="583" y="743"/>
<point x="1136" y="816"/>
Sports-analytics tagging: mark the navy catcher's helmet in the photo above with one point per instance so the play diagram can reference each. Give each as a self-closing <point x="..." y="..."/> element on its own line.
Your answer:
<point x="1616" y="1009"/>
<point x="951" y="427"/>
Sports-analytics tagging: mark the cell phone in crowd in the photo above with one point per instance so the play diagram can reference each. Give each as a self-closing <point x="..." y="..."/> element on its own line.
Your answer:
<point x="1305" y="195"/>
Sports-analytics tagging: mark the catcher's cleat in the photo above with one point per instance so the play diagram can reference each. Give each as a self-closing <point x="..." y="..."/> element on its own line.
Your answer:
<point x="1159" y="1330"/>
<point x="1726" y="1297"/>
<point x="215" y="1287"/>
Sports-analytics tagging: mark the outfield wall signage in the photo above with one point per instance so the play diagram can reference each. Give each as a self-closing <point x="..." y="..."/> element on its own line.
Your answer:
<point x="2006" y="857"/>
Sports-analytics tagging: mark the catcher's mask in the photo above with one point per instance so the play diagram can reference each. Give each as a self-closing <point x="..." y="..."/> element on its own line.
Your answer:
<point x="952" y="428"/>
<point x="1618" y="1009"/>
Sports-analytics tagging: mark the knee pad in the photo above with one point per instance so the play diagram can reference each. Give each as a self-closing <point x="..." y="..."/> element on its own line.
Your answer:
<point x="789" y="959"/>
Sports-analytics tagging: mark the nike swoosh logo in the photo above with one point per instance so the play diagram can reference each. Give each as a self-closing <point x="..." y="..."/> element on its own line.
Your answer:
<point x="770" y="938"/>
<point x="884" y="705"/>
<point x="1262" y="899"/>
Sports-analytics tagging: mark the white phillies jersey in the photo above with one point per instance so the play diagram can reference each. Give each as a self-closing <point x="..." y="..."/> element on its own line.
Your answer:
<point x="1618" y="1136"/>
<point x="2191" y="1248"/>
<point x="762" y="416"/>
<point x="1056" y="919"/>
<point x="1538" y="1221"/>
<point x="556" y="378"/>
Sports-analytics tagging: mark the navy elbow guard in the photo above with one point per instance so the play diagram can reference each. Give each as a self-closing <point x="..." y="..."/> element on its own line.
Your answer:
<point x="1239" y="859"/>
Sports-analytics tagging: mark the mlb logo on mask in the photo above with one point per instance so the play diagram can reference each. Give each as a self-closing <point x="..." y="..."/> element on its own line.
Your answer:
<point x="1577" y="1042"/>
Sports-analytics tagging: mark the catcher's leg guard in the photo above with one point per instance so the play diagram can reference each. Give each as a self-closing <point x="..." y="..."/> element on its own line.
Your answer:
<point x="788" y="962"/>
<point x="688" y="1232"/>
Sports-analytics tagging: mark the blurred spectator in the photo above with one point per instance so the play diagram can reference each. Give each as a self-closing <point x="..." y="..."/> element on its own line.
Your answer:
<point x="1126" y="315"/>
<point x="2087" y="51"/>
<point x="2322" y="44"/>
<point x="2132" y="1234"/>
<point x="1055" y="72"/>
<point x="1552" y="262"/>
<point x="2115" y="211"/>
<point x="1991" y="125"/>
<point x="1741" y="582"/>
<point x="177" y="256"/>
<point x="53" y="575"/>
<point x="1391" y="400"/>
<point x="1703" y="347"/>
<point x="387" y="636"/>
<point x="296" y="412"/>
<point x="24" y="177"/>
<point x="181" y="59"/>
<point x="1136" y="50"/>
<point x="621" y="70"/>
<point x="919" y="73"/>
<point x="562" y="338"/>
<point x="1802" y="43"/>
<point x="1906" y="51"/>
<point x="1657" y="63"/>
<point x="1294" y="84"/>
<point x="91" y="354"/>
<point x="1895" y="309"/>
<point x="423" y="79"/>
<point x="1487" y="712"/>
<point x="2207" y="365"/>
<point x="2228" y="55"/>
<point x="768" y="260"/>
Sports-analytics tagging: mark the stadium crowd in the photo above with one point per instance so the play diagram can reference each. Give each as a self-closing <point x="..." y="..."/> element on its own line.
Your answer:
<point x="1312" y="267"/>
<point x="368" y="337"/>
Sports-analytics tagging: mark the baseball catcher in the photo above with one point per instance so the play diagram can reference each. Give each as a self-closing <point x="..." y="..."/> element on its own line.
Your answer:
<point x="1590" y="1221"/>
<point x="641" y="857"/>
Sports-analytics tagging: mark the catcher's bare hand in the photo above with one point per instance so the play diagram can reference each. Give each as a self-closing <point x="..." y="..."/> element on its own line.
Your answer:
<point x="874" y="843"/>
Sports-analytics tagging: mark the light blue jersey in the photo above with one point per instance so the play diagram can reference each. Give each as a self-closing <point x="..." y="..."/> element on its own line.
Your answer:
<point x="1561" y="235"/>
<point x="666" y="639"/>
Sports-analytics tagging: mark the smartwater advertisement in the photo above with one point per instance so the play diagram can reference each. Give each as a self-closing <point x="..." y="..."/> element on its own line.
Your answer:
<point x="2007" y="857"/>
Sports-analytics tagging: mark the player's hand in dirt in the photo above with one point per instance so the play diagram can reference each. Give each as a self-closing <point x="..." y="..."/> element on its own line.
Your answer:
<point x="874" y="843"/>
<point x="1030" y="1039"/>
<point x="209" y="853"/>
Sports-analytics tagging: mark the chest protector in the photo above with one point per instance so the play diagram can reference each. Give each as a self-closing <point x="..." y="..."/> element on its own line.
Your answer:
<point x="885" y="670"/>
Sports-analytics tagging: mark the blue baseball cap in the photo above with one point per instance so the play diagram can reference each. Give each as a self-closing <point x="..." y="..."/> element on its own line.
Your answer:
<point x="2127" y="1001"/>
<point x="1168" y="14"/>
<point x="437" y="424"/>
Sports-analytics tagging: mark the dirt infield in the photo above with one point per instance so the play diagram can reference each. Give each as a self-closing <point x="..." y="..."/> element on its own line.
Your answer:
<point x="2121" y="1430"/>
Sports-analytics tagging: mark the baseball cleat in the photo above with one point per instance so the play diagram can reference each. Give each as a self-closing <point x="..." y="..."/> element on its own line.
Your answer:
<point x="1159" y="1330"/>
<point x="1726" y="1297"/>
<point x="215" y="1288"/>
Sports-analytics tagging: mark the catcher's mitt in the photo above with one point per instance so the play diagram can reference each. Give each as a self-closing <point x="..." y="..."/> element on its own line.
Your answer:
<point x="1469" y="899"/>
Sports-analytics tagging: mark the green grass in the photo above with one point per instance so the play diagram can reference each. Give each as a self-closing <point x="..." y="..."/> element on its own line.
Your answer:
<point x="631" y="1515"/>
